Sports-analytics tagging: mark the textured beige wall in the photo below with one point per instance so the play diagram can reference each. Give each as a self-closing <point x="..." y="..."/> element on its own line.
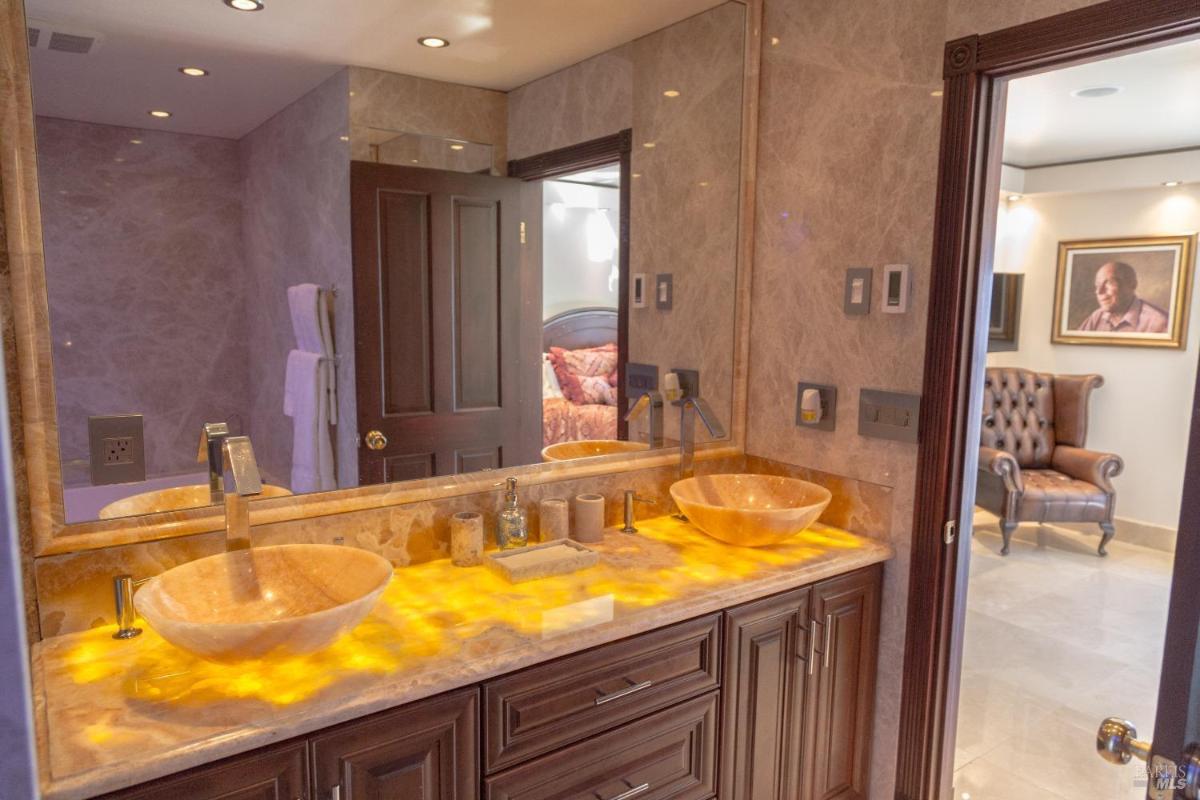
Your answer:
<point x="847" y="166"/>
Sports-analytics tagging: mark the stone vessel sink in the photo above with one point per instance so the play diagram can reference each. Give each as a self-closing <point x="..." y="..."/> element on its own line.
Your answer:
<point x="284" y="600"/>
<point x="590" y="447"/>
<point x="173" y="499"/>
<point x="750" y="510"/>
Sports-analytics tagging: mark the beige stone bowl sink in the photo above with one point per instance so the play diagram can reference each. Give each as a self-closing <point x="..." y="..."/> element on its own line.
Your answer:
<point x="589" y="447"/>
<point x="173" y="499"/>
<point x="284" y="600"/>
<point x="750" y="510"/>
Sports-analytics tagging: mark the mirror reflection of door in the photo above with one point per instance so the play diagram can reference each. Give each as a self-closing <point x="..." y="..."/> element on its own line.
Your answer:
<point x="440" y="367"/>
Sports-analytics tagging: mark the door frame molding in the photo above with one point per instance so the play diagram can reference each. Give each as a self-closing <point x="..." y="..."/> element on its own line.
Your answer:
<point x="975" y="69"/>
<point x="618" y="148"/>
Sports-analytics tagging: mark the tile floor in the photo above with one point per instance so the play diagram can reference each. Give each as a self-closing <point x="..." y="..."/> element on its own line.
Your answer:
<point x="1056" y="639"/>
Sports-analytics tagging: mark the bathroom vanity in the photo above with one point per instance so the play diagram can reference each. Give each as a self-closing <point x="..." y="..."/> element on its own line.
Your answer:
<point x="678" y="667"/>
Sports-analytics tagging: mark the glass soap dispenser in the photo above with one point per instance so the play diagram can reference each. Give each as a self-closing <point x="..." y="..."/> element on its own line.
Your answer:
<point x="512" y="527"/>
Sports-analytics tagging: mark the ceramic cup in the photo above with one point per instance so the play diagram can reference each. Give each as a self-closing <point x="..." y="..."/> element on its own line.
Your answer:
<point x="589" y="517"/>
<point x="555" y="519"/>
<point x="466" y="539"/>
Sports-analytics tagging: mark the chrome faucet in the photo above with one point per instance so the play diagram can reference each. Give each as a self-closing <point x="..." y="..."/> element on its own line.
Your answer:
<point x="211" y="437"/>
<point x="689" y="409"/>
<point x="650" y="401"/>
<point x="241" y="481"/>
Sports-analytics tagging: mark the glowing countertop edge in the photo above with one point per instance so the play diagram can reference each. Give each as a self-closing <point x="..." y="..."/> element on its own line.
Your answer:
<point x="112" y="714"/>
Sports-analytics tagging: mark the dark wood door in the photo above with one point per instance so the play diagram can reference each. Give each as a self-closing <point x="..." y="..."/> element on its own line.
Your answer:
<point x="277" y="773"/>
<point x="767" y="662"/>
<point x="439" y="293"/>
<point x="426" y="751"/>
<point x="842" y="690"/>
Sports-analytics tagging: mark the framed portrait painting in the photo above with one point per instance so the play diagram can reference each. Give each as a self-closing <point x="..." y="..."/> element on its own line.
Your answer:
<point x="1130" y="292"/>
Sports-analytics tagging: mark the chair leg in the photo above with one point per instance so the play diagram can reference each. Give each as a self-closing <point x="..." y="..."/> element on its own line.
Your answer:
<point x="1109" y="533"/>
<point x="1006" y="530"/>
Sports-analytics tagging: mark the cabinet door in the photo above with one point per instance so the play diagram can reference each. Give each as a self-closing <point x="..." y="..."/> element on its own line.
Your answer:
<point x="766" y="669"/>
<point x="841" y="695"/>
<point x="426" y="751"/>
<point x="277" y="773"/>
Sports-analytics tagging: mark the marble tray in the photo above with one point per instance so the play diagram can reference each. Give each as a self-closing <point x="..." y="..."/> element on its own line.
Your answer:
<point x="560" y="557"/>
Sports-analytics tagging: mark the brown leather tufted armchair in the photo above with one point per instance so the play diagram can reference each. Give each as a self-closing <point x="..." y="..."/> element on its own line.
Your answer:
<point x="1032" y="463"/>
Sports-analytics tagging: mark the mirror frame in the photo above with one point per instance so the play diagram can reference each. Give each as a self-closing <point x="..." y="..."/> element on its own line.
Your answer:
<point x="35" y="422"/>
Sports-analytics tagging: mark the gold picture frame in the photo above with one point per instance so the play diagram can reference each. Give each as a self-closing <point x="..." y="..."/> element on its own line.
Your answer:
<point x="1127" y="292"/>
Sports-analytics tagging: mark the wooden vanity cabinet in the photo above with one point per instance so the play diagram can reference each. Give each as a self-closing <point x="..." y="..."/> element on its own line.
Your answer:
<point x="798" y="692"/>
<point x="272" y="773"/>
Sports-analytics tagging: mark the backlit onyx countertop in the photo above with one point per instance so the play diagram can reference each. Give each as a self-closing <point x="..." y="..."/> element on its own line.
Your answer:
<point x="112" y="714"/>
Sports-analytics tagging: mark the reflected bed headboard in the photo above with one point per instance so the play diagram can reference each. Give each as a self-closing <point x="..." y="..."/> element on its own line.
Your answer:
<point x="580" y="327"/>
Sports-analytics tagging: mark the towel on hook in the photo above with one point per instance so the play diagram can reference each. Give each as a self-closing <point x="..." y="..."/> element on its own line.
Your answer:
<point x="305" y="400"/>
<point x="310" y="311"/>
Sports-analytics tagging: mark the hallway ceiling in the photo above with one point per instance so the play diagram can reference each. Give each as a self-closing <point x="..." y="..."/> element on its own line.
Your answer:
<point x="262" y="61"/>
<point x="1157" y="108"/>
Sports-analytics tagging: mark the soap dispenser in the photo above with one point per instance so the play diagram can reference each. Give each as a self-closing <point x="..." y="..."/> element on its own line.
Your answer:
<point x="512" y="527"/>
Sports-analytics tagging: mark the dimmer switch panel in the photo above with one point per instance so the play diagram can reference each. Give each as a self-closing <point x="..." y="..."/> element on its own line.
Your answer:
<point x="888" y="415"/>
<point x="117" y="452"/>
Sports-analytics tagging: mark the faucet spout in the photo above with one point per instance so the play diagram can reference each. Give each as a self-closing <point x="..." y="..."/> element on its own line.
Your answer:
<point x="650" y="401"/>
<point x="689" y="409"/>
<point x="242" y="481"/>
<point x="212" y="436"/>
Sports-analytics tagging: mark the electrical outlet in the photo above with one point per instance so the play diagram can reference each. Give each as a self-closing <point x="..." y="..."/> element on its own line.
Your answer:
<point x="118" y="450"/>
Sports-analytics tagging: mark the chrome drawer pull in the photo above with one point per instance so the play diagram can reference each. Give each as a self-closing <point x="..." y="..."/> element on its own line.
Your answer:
<point x="828" y="638"/>
<point x="608" y="698"/>
<point x="634" y="792"/>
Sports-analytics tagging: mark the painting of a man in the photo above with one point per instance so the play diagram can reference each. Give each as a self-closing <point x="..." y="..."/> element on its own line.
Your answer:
<point x="1121" y="310"/>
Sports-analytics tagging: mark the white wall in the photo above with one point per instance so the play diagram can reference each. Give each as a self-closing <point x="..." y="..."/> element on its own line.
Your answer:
<point x="1143" y="410"/>
<point x="571" y="279"/>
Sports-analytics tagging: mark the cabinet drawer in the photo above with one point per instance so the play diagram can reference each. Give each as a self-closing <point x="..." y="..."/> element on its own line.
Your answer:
<point x="553" y="705"/>
<point x="670" y="754"/>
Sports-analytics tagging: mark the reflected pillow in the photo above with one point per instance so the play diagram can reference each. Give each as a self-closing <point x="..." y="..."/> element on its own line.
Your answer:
<point x="588" y="375"/>
<point x="550" y="387"/>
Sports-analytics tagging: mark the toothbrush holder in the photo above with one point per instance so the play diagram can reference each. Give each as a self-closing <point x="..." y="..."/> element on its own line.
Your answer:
<point x="554" y="514"/>
<point x="466" y="539"/>
<point x="589" y="518"/>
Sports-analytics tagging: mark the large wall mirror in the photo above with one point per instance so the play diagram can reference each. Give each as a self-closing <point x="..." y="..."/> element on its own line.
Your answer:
<point x="381" y="256"/>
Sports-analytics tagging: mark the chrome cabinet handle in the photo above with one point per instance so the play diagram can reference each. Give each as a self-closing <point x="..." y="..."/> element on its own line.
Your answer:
<point x="828" y="637"/>
<point x="634" y="792"/>
<point x="336" y="792"/>
<point x="812" y="645"/>
<point x="375" y="441"/>
<point x="608" y="698"/>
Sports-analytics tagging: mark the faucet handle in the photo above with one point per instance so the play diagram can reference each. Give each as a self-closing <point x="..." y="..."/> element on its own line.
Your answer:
<point x="211" y="432"/>
<point x="241" y="469"/>
<point x="638" y="408"/>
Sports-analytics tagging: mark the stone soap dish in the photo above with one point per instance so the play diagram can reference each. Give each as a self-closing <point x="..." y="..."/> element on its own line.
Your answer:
<point x="541" y="560"/>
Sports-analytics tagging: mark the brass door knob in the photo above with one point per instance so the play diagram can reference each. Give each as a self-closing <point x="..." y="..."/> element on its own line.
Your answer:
<point x="376" y="440"/>
<point x="1117" y="742"/>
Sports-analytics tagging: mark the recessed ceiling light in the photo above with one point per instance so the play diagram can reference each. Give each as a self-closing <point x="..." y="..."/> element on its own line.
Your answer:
<point x="194" y="72"/>
<point x="159" y="114"/>
<point x="433" y="41"/>
<point x="1092" y="92"/>
<point x="456" y="147"/>
<point x="1172" y="183"/>
<point x="936" y="93"/>
<point x="1012" y="198"/>
<point x="648" y="145"/>
<point x="245" y="5"/>
<point x="344" y="138"/>
<point x="637" y="174"/>
<point x="671" y="93"/>
<point x="416" y="161"/>
<point x="135" y="141"/>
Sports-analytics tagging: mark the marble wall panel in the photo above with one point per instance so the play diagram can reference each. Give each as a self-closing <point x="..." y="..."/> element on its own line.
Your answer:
<point x="295" y="181"/>
<point x="142" y="232"/>
<point x="965" y="17"/>
<point x="404" y="103"/>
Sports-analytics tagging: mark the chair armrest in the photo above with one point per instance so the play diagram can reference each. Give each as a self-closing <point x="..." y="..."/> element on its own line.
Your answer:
<point x="1087" y="465"/>
<point x="1003" y="464"/>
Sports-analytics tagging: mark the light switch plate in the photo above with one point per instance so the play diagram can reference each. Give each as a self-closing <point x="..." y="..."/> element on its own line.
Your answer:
<point x="897" y="286"/>
<point x="828" y="406"/>
<point x="889" y="415"/>
<point x="640" y="378"/>
<point x="638" y="300"/>
<point x="664" y="291"/>
<point x="857" y="301"/>
<point x="116" y="449"/>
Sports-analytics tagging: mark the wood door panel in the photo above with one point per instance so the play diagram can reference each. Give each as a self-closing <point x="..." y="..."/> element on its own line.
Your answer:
<point x="410" y="466"/>
<point x="438" y="280"/>
<point x="425" y="751"/>
<point x="842" y="698"/>
<point x="277" y="773"/>
<point x="766" y="652"/>
<point x="671" y="753"/>
<point x="476" y="460"/>
<point x="477" y="291"/>
<point x="544" y="707"/>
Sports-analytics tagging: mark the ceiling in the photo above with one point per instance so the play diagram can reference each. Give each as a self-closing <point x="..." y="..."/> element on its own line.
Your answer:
<point x="1157" y="108"/>
<point x="262" y="61"/>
